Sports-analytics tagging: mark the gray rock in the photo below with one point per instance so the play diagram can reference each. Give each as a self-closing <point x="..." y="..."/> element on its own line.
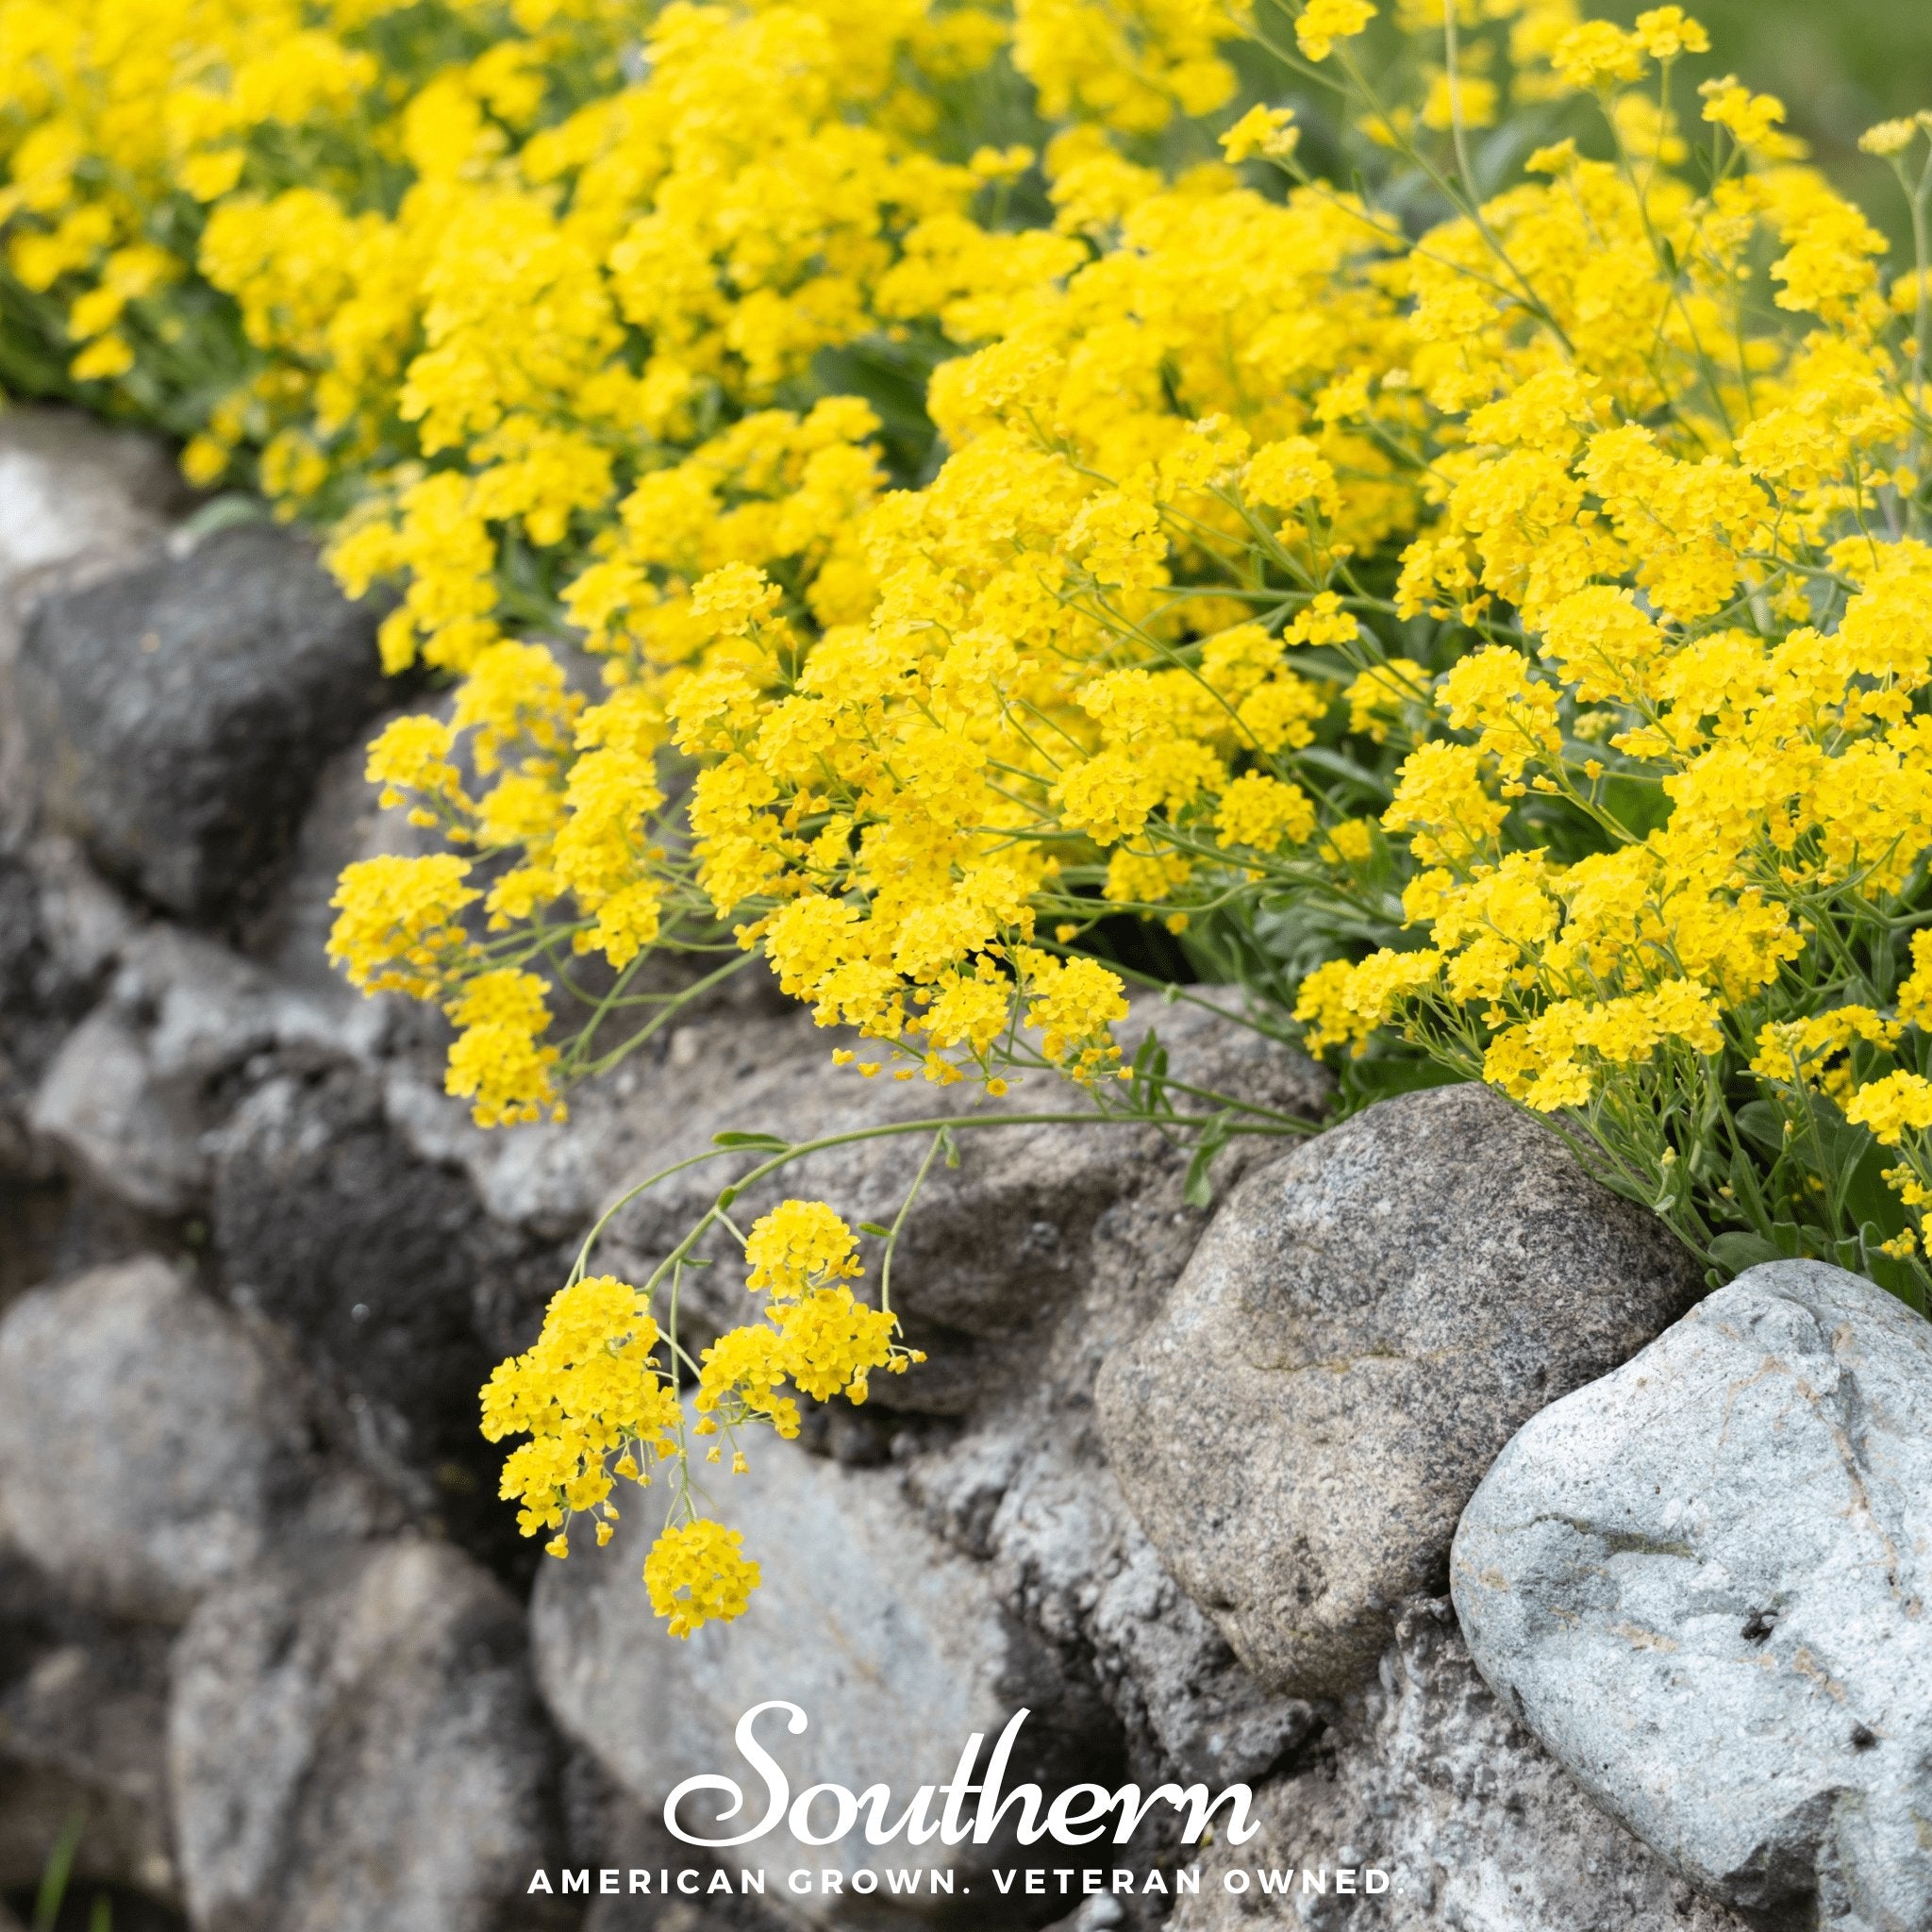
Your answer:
<point x="1026" y="1489"/>
<point x="118" y="1125"/>
<point x="290" y="931"/>
<point x="148" y="1448"/>
<point x="354" y="1743"/>
<point x="78" y="501"/>
<point x="86" y="1722"/>
<point x="133" y="1093"/>
<point x="77" y="495"/>
<point x="997" y="1248"/>
<point x="385" y="1275"/>
<point x="1364" y="1326"/>
<point x="895" y="1647"/>
<point x="1067" y="1557"/>
<point x="1703" y="1582"/>
<point x="179" y="713"/>
<point x="42" y="996"/>
<point x="1427" y="1778"/>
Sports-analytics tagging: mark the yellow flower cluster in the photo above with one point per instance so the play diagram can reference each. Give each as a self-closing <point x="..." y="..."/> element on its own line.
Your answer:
<point x="1005" y="487"/>
<point x="698" y="1572"/>
<point x="816" y="1334"/>
<point x="590" y="1388"/>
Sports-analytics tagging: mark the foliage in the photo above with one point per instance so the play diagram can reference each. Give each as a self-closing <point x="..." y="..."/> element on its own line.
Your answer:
<point x="1009" y="483"/>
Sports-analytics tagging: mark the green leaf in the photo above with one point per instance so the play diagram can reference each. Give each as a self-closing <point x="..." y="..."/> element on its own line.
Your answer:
<point x="1737" y="1251"/>
<point x="1148" y="1088"/>
<point x="1198" y="1189"/>
<point x="1865" y="1193"/>
<point x="1366" y="1081"/>
<point x="1760" y="1122"/>
<point x="1747" y="1194"/>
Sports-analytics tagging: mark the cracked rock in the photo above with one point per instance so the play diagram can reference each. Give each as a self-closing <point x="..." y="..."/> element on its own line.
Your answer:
<point x="1362" y="1327"/>
<point x="1427" y="1778"/>
<point x="1703" y="1582"/>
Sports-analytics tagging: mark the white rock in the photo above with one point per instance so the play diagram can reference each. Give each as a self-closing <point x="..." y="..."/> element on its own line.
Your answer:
<point x="1703" y="1581"/>
<point x="1426" y="1780"/>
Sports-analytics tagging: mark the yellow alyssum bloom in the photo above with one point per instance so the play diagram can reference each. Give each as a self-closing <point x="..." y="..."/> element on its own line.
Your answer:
<point x="697" y="1573"/>
<point x="1322" y="23"/>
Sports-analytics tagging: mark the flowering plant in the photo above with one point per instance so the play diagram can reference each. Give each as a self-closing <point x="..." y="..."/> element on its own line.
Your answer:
<point x="1482" y="612"/>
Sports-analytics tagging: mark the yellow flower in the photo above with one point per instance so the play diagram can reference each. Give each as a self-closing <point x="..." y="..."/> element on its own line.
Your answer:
<point x="1597" y="53"/>
<point x="797" y="1245"/>
<point x="1322" y="23"/>
<point x="497" y="1060"/>
<point x="1890" y="137"/>
<point x="1261" y="811"/>
<point x="1898" y="1105"/>
<point x="1665" y="32"/>
<point x="697" y="1573"/>
<point x="397" y="921"/>
<point x="1267" y="131"/>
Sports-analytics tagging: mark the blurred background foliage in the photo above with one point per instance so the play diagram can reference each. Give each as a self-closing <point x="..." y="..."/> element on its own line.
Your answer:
<point x="1838" y="65"/>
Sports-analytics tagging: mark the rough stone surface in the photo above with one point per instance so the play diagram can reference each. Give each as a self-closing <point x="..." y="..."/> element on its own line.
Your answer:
<point x="996" y="1249"/>
<point x="1427" y="1776"/>
<point x="896" y="1648"/>
<point x="382" y="1269"/>
<point x="179" y="713"/>
<point x="1364" y="1325"/>
<point x="1029" y="1490"/>
<point x="355" y="1743"/>
<point x="1703" y="1581"/>
<point x="133" y="1093"/>
<point x="90" y="1714"/>
<point x="148" y="1448"/>
<point x="77" y="500"/>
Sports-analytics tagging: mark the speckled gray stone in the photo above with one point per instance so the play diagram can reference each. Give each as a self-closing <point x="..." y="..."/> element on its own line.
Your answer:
<point x="1426" y="1777"/>
<point x="354" y="1745"/>
<point x="1702" y="1582"/>
<point x="1364" y="1326"/>
<point x="147" y="1446"/>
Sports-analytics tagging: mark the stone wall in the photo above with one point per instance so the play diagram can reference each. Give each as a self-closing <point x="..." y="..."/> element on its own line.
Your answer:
<point x="1185" y="1485"/>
